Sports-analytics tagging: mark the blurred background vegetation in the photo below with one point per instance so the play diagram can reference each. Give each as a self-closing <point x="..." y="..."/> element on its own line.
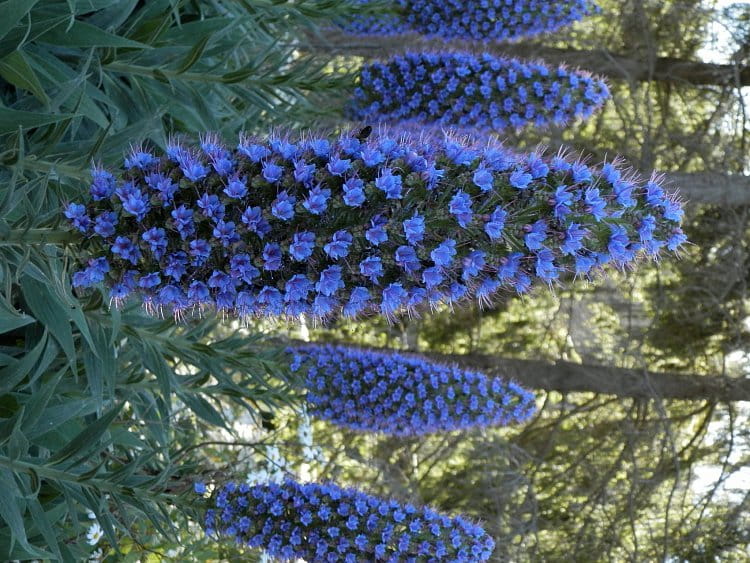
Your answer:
<point x="640" y="449"/>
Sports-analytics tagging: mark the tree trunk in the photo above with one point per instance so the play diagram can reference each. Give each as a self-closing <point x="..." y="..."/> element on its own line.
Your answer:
<point x="598" y="61"/>
<point x="711" y="187"/>
<point x="568" y="377"/>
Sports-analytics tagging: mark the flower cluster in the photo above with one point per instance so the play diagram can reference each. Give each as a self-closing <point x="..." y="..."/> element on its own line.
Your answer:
<point x="473" y="91"/>
<point x="325" y="522"/>
<point x="387" y="225"/>
<point x="381" y="25"/>
<point x="404" y="396"/>
<point x="483" y="20"/>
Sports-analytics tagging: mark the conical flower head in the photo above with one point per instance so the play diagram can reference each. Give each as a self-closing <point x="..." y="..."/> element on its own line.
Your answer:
<point x="387" y="224"/>
<point x="473" y="91"/>
<point x="480" y="20"/>
<point x="404" y="395"/>
<point x="325" y="522"/>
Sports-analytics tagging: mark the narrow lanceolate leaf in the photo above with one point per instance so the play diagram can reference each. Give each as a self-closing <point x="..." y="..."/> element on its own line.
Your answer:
<point x="384" y="224"/>
<point x="325" y="522"/>
<point x="13" y="11"/>
<point x="404" y="396"/>
<point x="477" y="91"/>
<point x="482" y="20"/>
<point x="12" y="120"/>
<point x="16" y="70"/>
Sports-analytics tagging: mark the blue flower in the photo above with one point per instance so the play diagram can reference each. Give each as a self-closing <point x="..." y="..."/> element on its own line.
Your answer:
<point x="183" y="219"/>
<point x="389" y="183"/>
<point x="483" y="179"/>
<point x="200" y="250"/>
<point x="460" y="206"/>
<point x="394" y="296"/>
<point x="520" y="179"/>
<point x="226" y="233"/>
<point x="595" y="205"/>
<point x="330" y="281"/>
<point x="126" y="249"/>
<point x="272" y="172"/>
<point x="283" y="206"/>
<point x="211" y="206"/>
<point x="302" y="245"/>
<point x="406" y="258"/>
<point x="354" y="194"/>
<point x="573" y="241"/>
<point x="536" y="234"/>
<point x="271" y="257"/>
<point x="339" y="245"/>
<point x="376" y="233"/>
<point x="136" y="204"/>
<point x="339" y="166"/>
<point x="443" y="255"/>
<point x="236" y="189"/>
<point x="494" y="227"/>
<point x="157" y="240"/>
<point x="372" y="268"/>
<point x="102" y="185"/>
<point x="317" y="200"/>
<point x="104" y="224"/>
<point x="253" y="218"/>
<point x="414" y="229"/>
